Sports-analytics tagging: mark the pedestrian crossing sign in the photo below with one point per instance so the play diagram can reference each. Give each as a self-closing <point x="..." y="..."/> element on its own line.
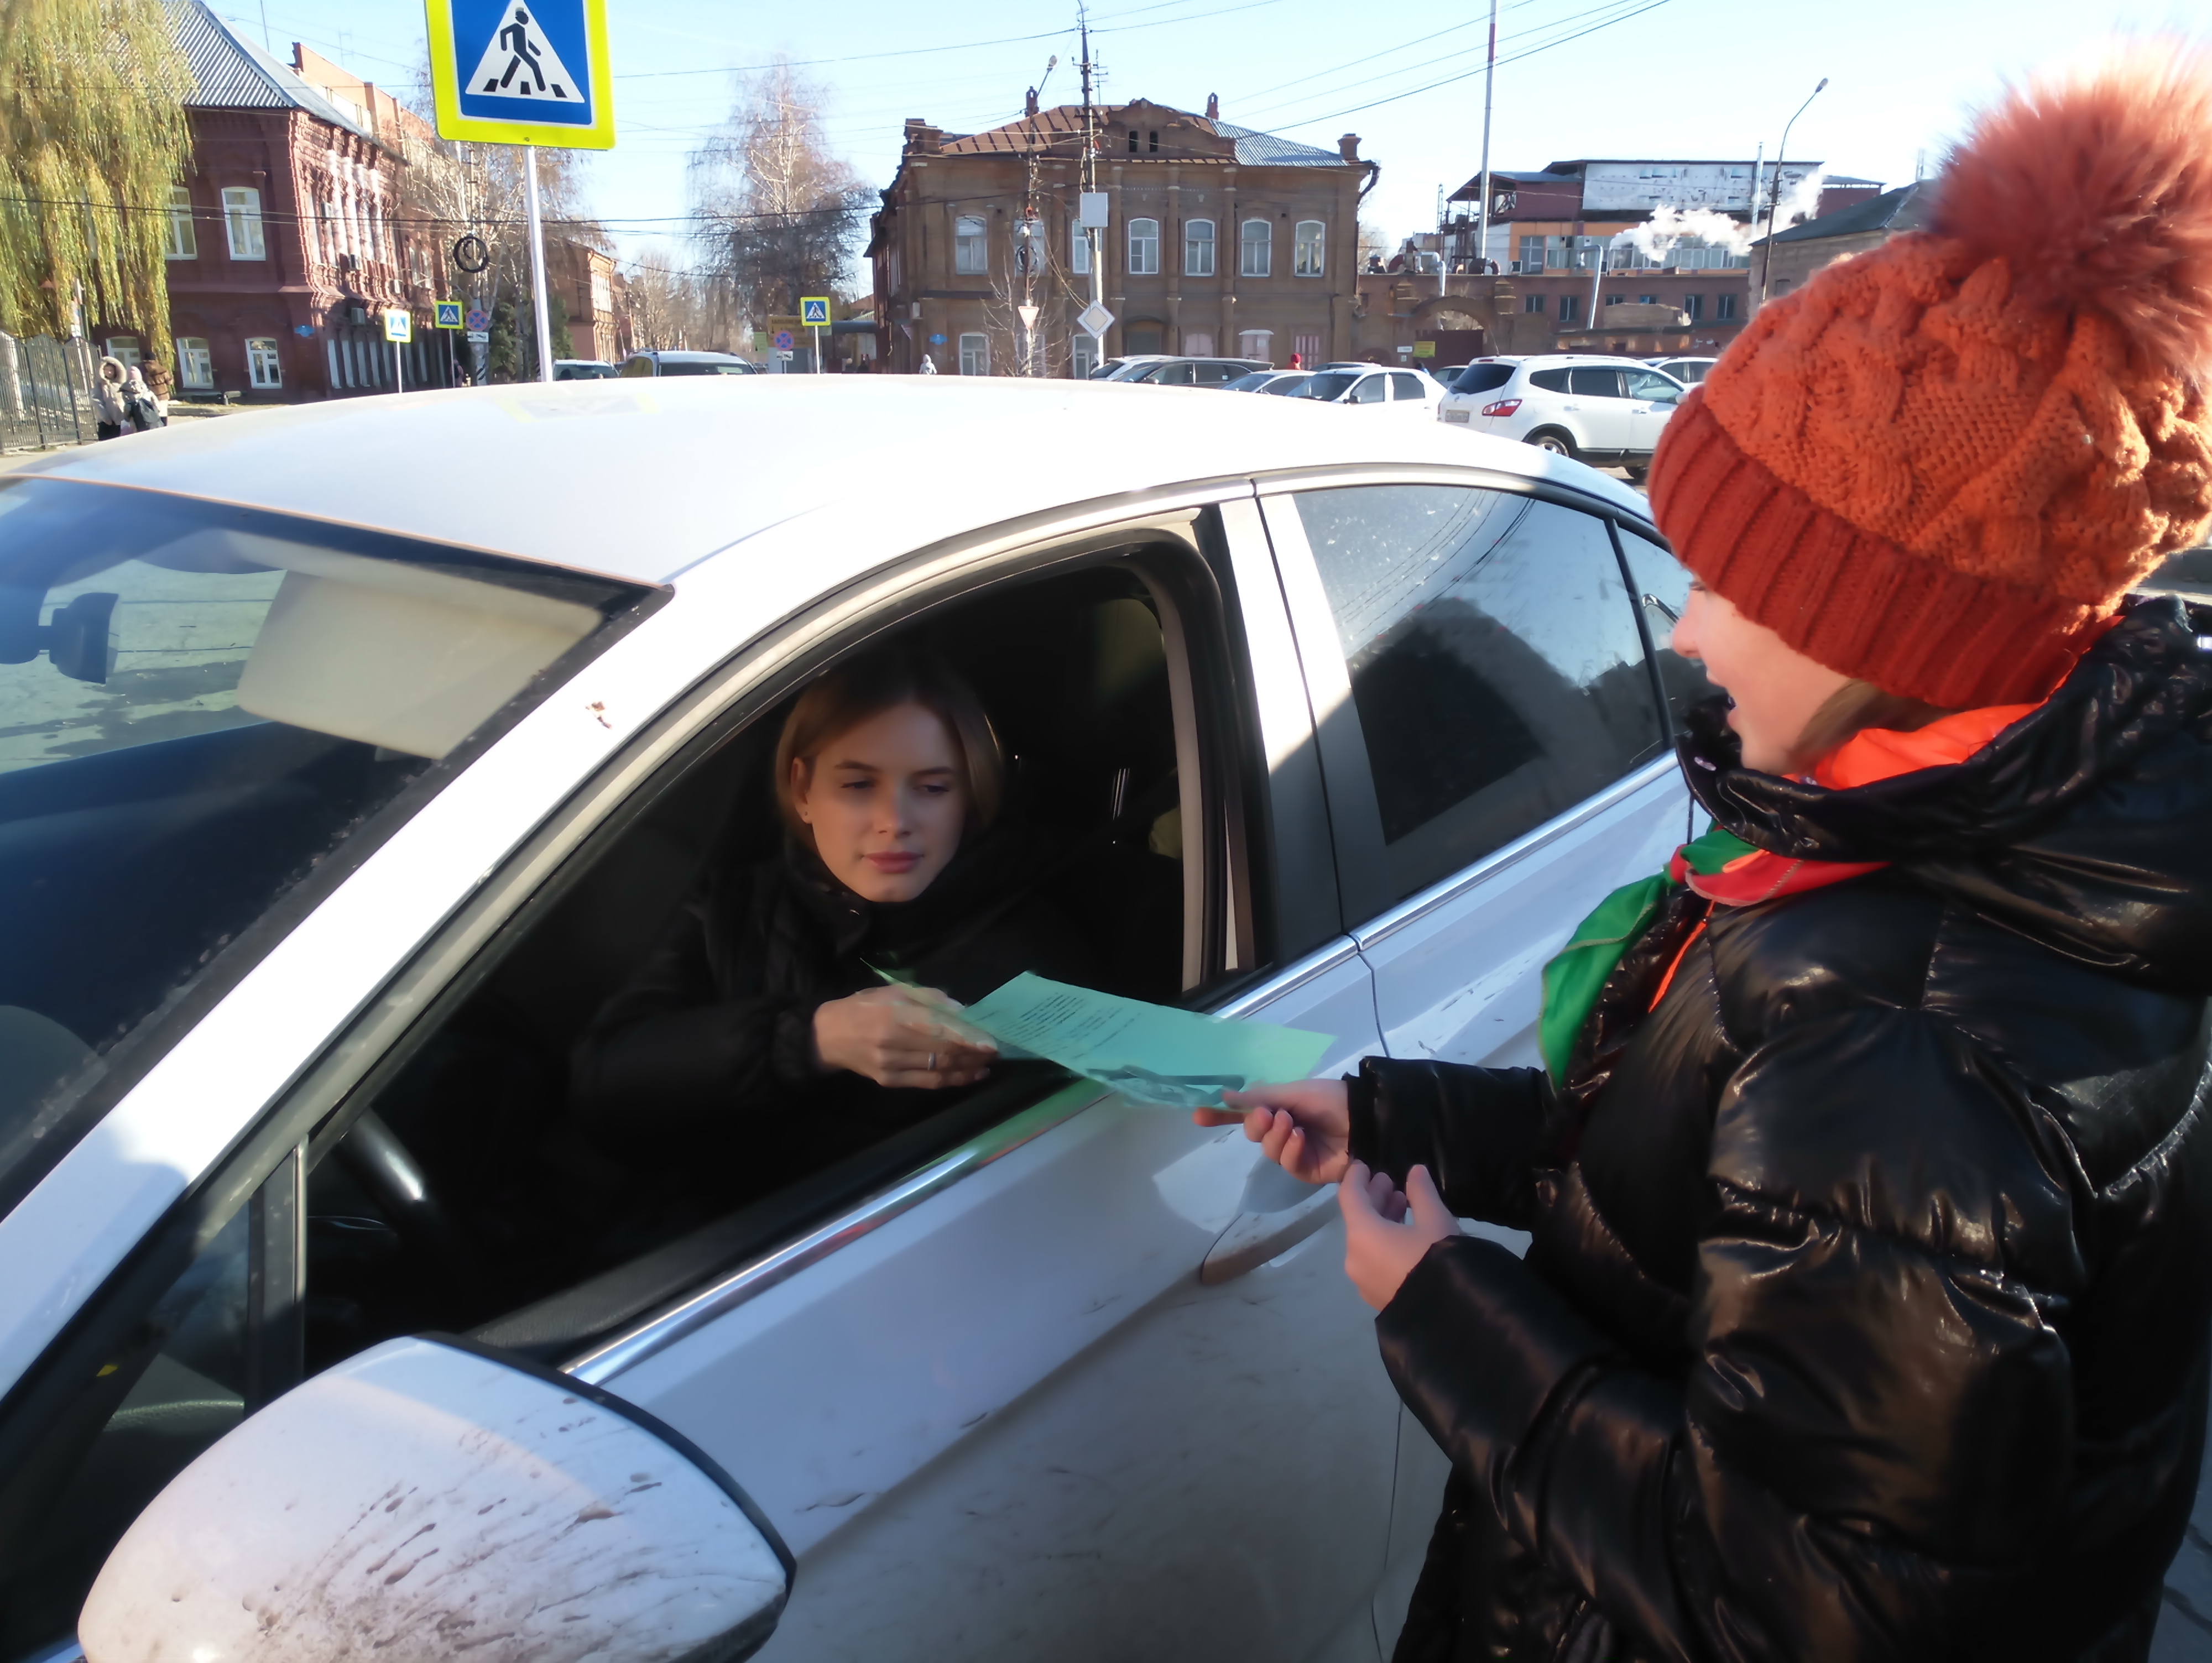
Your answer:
<point x="448" y="314"/>
<point x="814" y="314"/>
<point x="522" y="72"/>
<point x="398" y="326"/>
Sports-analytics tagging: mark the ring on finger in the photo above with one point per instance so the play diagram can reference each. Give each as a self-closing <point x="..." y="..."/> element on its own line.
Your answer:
<point x="933" y="1063"/>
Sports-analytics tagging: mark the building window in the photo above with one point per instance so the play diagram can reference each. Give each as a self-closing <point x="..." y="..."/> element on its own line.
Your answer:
<point x="1198" y="248"/>
<point x="1647" y="300"/>
<point x="241" y="222"/>
<point x="1084" y="357"/>
<point x="1309" y="250"/>
<point x="603" y="295"/>
<point x="1308" y="347"/>
<point x="971" y="250"/>
<point x="975" y="355"/>
<point x="195" y="368"/>
<point x="1781" y="287"/>
<point x="1723" y="307"/>
<point x="1079" y="250"/>
<point x="124" y="348"/>
<point x="1253" y="343"/>
<point x="182" y="244"/>
<point x="1695" y="306"/>
<point x="1532" y="303"/>
<point x="1258" y="246"/>
<point x="1144" y="248"/>
<point x="1570" y="308"/>
<point x="261" y="367"/>
<point x="1196" y="344"/>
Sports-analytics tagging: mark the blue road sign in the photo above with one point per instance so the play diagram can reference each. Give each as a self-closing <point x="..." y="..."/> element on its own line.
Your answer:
<point x="814" y="311"/>
<point x="478" y="318"/>
<point x="937" y="340"/>
<point x="783" y="340"/>
<point x="447" y="314"/>
<point x="522" y="71"/>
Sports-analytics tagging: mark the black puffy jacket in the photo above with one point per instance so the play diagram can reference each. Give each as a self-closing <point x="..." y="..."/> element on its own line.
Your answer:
<point x="1866" y="1312"/>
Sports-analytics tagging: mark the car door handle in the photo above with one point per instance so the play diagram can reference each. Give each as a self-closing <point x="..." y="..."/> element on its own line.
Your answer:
<point x="1254" y="1238"/>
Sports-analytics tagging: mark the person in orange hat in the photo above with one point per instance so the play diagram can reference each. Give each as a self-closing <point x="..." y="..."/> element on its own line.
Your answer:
<point x="1870" y="1173"/>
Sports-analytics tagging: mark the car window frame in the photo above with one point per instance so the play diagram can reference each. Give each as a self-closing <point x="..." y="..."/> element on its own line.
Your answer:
<point x="1239" y="871"/>
<point x="1355" y="814"/>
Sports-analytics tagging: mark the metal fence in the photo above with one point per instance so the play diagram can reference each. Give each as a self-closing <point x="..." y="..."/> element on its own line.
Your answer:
<point x="45" y="393"/>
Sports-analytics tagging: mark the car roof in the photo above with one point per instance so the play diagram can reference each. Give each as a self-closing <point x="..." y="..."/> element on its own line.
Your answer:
<point x="673" y="357"/>
<point x="635" y="479"/>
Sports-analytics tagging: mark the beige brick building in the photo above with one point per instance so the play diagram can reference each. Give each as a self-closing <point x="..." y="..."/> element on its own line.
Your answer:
<point x="1221" y="242"/>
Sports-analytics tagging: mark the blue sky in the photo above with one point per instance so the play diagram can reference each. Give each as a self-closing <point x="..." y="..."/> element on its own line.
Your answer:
<point x="1651" y="78"/>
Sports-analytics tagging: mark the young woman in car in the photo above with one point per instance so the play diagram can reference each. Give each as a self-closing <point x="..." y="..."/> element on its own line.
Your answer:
<point x="763" y="1017"/>
<point x="1868" y="1178"/>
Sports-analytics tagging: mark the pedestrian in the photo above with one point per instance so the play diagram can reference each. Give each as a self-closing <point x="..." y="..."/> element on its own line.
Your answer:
<point x="141" y="406"/>
<point x="929" y="365"/>
<point x="1298" y="360"/>
<point x="110" y="414"/>
<point x="1869" y="1174"/>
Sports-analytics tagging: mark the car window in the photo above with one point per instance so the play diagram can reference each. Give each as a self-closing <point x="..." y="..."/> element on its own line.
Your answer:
<point x="1496" y="667"/>
<point x="732" y="369"/>
<point x="1327" y="386"/>
<point x="680" y="368"/>
<point x="1405" y="385"/>
<point x="1370" y="390"/>
<point x="1173" y="375"/>
<point x="1550" y="380"/>
<point x="1483" y="378"/>
<point x="200" y="706"/>
<point x="1216" y="375"/>
<point x="1662" y="588"/>
<point x="1594" y="381"/>
<point x="1286" y="386"/>
<point x="1249" y="382"/>
<point x="1644" y="384"/>
<point x="638" y="366"/>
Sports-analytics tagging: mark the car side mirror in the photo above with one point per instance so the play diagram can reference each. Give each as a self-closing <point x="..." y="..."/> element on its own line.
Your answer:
<point x="432" y="1495"/>
<point x="79" y="641"/>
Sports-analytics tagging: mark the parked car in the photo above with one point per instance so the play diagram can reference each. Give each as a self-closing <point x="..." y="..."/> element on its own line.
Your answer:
<point x="1688" y="371"/>
<point x="1191" y="371"/>
<point x="582" y="369"/>
<point x="1406" y="392"/>
<point x="1117" y="369"/>
<point x="337" y="800"/>
<point x="1480" y="376"/>
<point x="1277" y="381"/>
<point x="1601" y="411"/>
<point x="688" y="363"/>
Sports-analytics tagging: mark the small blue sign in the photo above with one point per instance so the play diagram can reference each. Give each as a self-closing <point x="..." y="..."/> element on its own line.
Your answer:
<point x="523" y="60"/>
<point x="937" y="340"/>
<point x="783" y="340"/>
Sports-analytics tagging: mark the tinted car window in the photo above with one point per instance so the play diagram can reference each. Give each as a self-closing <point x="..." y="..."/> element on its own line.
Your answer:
<point x="1662" y="587"/>
<point x="1403" y="385"/>
<point x="1288" y="386"/>
<point x="1496" y="667"/>
<point x="1327" y="385"/>
<point x="1594" y="381"/>
<point x="1644" y="384"/>
<point x="638" y="366"/>
<point x="1551" y="380"/>
<point x="1173" y="375"/>
<point x="201" y="709"/>
<point x="1249" y="383"/>
<point x="1483" y="378"/>
<point x="1372" y="389"/>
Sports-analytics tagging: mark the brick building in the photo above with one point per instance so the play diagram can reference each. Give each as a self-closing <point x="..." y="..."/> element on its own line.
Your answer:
<point x="1803" y="250"/>
<point x="1220" y="241"/>
<point x="282" y="253"/>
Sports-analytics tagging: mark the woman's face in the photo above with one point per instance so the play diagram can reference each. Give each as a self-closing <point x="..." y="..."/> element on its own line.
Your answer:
<point x="1775" y="689"/>
<point x="885" y="801"/>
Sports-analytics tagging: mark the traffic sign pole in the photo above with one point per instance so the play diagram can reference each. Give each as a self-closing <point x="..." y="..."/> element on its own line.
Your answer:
<point x="537" y="268"/>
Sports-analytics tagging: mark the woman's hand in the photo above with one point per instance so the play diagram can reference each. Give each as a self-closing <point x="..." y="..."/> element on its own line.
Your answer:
<point x="902" y="1037"/>
<point x="1304" y="1127"/>
<point x="1381" y="1243"/>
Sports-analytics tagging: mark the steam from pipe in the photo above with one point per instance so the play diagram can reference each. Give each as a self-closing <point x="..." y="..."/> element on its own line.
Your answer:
<point x="1668" y="226"/>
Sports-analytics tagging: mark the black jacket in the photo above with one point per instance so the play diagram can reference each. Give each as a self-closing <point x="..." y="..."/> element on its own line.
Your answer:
<point x="1866" y="1313"/>
<point x="710" y="1046"/>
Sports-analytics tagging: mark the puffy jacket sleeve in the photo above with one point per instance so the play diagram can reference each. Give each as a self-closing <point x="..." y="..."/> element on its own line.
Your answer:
<point x="1475" y="1129"/>
<point x="1874" y="1429"/>
<point x="670" y="1056"/>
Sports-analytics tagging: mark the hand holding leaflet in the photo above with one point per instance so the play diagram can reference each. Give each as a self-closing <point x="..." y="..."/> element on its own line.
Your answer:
<point x="1152" y="1053"/>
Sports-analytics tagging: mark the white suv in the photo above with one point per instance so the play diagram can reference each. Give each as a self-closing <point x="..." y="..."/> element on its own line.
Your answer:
<point x="1600" y="410"/>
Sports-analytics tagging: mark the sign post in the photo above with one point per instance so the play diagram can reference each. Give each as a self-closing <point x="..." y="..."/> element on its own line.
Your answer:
<point x="814" y="313"/>
<point x="531" y="73"/>
<point x="399" y="330"/>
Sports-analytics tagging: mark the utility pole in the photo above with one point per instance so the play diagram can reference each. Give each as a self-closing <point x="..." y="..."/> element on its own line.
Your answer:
<point x="1774" y="196"/>
<point x="1087" y="186"/>
<point x="1489" y="92"/>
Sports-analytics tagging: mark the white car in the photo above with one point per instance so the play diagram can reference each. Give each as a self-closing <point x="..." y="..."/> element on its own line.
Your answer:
<point x="1688" y="371"/>
<point x="1406" y="392"/>
<point x="336" y="799"/>
<point x="1604" y="411"/>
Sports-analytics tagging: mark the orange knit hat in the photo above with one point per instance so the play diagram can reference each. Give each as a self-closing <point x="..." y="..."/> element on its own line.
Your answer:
<point x="1939" y="465"/>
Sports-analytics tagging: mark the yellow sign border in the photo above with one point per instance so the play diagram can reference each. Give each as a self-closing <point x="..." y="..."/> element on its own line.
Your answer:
<point x="394" y="314"/>
<point x="445" y="91"/>
<point x="458" y="311"/>
<point x="829" y="313"/>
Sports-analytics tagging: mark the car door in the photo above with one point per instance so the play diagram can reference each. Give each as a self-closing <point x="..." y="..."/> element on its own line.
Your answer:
<point x="1409" y="394"/>
<point x="1028" y="1403"/>
<point x="1652" y="400"/>
<point x="1369" y="390"/>
<point x="1595" y="390"/>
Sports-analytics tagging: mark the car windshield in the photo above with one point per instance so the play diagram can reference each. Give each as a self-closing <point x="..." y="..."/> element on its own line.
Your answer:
<point x="1287" y="386"/>
<point x="204" y="709"/>
<point x="1326" y="385"/>
<point x="1251" y="383"/>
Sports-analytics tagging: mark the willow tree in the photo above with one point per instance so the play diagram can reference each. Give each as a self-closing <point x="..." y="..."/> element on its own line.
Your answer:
<point x="93" y="135"/>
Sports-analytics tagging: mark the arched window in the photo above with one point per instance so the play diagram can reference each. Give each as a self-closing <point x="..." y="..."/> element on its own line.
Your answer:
<point x="1259" y="243"/>
<point x="1144" y="248"/>
<point x="1310" y="249"/>
<point x="970" y="247"/>
<point x="1198" y="248"/>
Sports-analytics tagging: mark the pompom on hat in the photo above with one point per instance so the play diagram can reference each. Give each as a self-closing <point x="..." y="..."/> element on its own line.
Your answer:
<point x="1940" y="465"/>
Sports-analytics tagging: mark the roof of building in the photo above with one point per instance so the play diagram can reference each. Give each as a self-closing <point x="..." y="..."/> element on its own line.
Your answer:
<point x="1901" y="210"/>
<point x="229" y="72"/>
<point x="1064" y="121"/>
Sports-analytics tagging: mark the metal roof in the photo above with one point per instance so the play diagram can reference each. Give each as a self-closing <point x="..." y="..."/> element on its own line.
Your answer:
<point x="229" y="72"/>
<point x="1257" y="149"/>
<point x="1901" y="210"/>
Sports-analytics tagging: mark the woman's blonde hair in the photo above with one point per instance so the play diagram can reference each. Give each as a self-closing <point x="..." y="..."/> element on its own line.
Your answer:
<point x="840" y="701"/>
<point x="1850" y="710"/>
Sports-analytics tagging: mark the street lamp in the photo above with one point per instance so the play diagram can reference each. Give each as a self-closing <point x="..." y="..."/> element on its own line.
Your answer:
<point x="1774" y="196"/>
